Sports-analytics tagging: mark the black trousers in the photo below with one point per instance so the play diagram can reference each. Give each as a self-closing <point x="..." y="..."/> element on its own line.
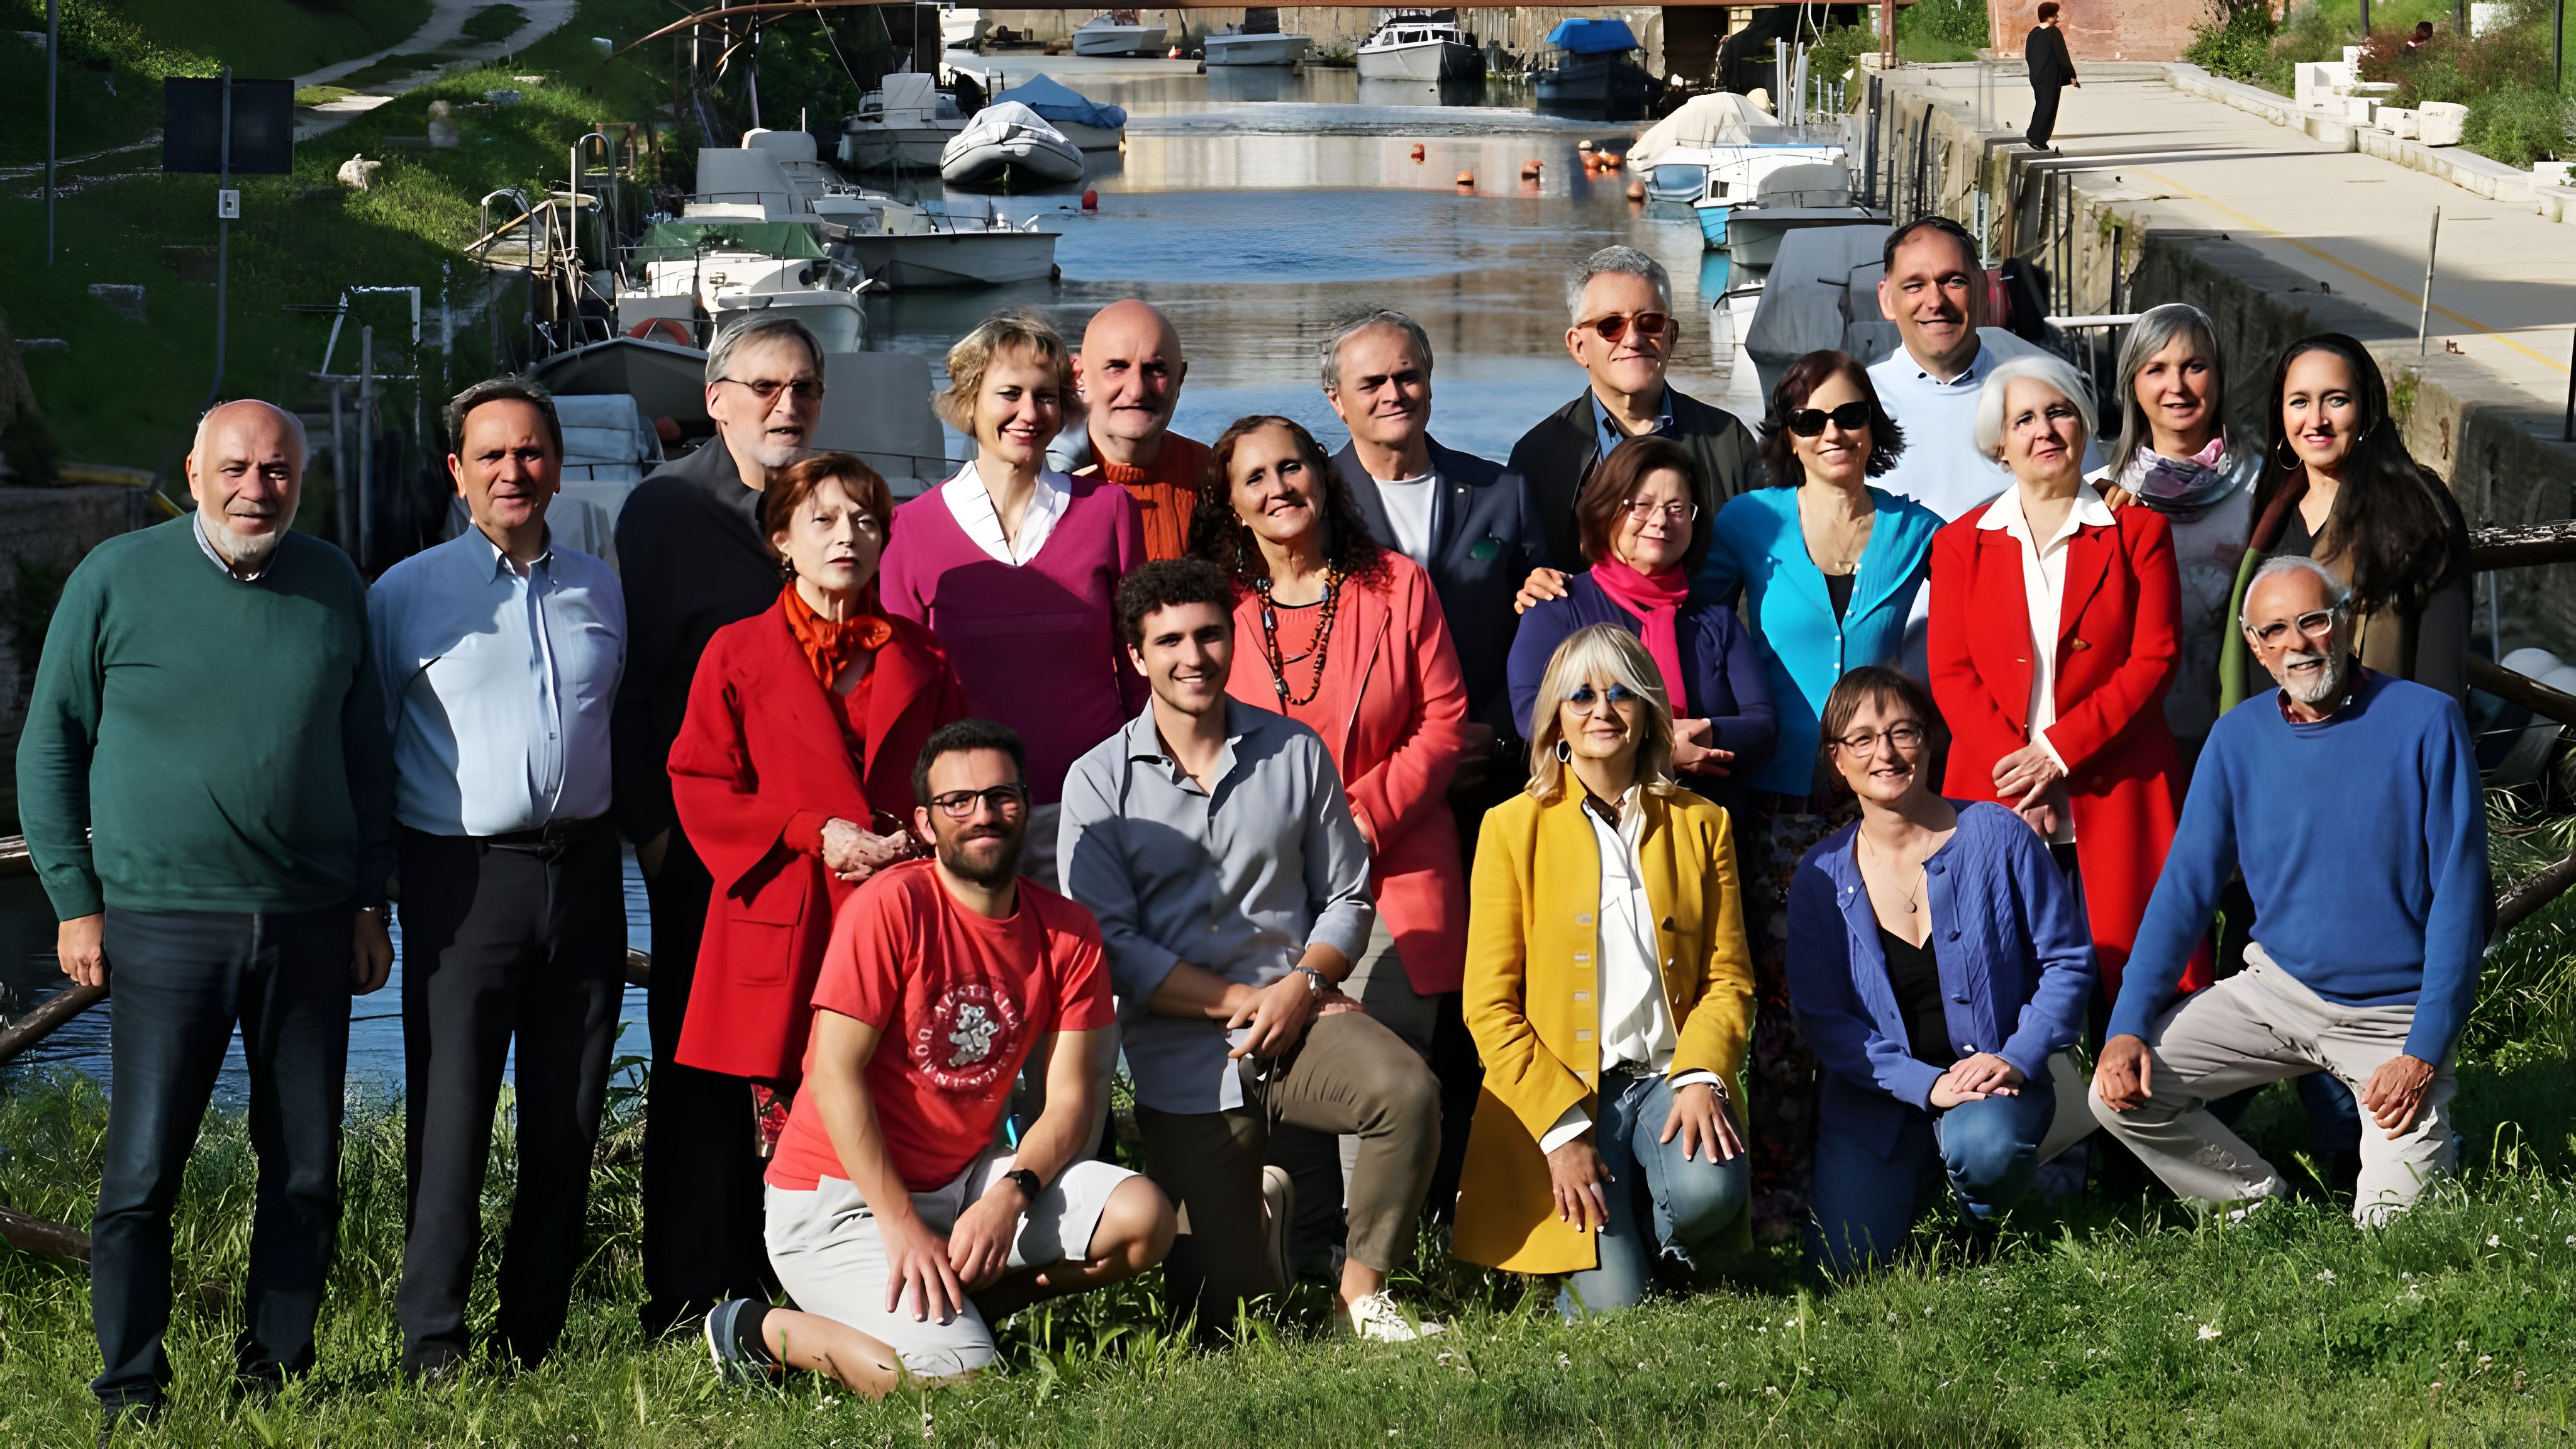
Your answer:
<point x="703" y="1241"/>
<point x="503" y="944"/>
<point x="2043" y="114"/>
<point x="182" y="979"/>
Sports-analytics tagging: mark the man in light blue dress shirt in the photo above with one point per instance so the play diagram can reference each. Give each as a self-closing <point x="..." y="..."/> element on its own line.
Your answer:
<point x="500" y="658"/>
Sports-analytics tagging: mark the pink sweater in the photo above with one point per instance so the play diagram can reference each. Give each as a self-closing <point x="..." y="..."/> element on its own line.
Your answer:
<point x="1036" y="645"/>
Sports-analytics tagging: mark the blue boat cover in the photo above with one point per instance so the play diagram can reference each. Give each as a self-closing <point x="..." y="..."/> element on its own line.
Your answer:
<point x="1057" y="101"/>
<point x="1592" y="37"/>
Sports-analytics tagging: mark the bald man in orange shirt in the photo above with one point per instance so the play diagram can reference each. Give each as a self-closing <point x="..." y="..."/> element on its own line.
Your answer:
<point x="1130" y="370"/>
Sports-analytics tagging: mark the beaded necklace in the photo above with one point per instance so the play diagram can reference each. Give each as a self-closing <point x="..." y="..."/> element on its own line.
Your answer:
<point x="1323" y="638"/>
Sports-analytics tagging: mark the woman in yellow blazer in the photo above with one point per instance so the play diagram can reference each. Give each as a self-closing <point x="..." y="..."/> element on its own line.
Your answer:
<point x="1609" y="990"/>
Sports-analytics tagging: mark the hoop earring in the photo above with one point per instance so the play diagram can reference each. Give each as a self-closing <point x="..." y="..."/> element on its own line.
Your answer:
<point x="2289" y="464"/>
<point x="1564" y="753"/>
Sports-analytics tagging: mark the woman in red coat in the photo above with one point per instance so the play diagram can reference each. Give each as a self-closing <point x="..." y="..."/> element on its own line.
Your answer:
<point x="793" y="769"/>
<point x="2056" y="623"/>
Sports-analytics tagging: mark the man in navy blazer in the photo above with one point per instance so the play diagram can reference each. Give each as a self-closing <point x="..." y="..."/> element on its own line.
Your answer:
<point x="1469" y="522"/>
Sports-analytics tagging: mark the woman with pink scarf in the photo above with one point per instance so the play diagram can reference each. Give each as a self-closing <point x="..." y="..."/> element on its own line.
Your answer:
<point x="1644" y="537"/>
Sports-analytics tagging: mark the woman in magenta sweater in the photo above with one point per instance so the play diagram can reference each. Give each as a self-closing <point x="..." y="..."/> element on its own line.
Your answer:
<point x="1013" y="566"/>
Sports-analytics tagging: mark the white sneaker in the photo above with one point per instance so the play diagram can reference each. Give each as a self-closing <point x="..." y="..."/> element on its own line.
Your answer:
<point x="1279" y="1208"/>
<point x="1377" y="1320"/>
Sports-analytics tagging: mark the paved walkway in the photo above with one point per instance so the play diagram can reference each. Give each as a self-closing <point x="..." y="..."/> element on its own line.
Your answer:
<point x="2504" y="290"/>
<point x="441" y="32"/>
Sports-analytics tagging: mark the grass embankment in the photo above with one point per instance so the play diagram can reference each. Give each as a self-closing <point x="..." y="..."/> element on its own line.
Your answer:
<point x="128" y="392"/>
<point x="2106" y="1325"/>
<point x="115" y="54"/>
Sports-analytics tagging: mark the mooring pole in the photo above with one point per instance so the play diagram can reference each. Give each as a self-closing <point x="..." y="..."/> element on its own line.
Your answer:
<point x="227" y="206"/>
<point x="2424" y="312"/>
<point x="53" y="67"/>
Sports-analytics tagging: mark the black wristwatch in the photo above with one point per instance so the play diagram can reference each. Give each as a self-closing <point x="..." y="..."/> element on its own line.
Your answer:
<point x="1028" y="1184"/>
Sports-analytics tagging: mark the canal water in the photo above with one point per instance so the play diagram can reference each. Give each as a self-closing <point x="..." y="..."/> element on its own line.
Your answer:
<point x="1257" y="208"/>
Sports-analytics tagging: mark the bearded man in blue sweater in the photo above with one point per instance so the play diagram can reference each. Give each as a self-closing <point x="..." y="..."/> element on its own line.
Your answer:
<point x="2350" y="802"/>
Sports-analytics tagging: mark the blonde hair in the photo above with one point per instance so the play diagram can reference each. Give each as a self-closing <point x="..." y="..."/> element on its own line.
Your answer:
<point x="1022" y="332"/>
<point x="1610" y="652"/>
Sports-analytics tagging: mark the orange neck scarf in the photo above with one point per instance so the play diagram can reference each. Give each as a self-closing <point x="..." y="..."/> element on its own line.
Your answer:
<point x="830" y="646"/>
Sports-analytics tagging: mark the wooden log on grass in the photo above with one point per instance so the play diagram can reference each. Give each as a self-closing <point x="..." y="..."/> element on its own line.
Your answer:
<point x="2522" y="689"/>
<point x="40" y="1023"/>
<point x="2527" y="547"/>
<point x="2532" y="892"/>
<point x="44" y="1239"/>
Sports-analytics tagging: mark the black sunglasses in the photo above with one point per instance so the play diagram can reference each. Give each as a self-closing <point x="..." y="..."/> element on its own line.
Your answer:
<point x="1851" y="417"/>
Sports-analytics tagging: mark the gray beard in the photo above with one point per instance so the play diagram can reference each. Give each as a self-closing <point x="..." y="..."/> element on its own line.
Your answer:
<point x="2329" y="681"/>
<point x="244" y="553"/>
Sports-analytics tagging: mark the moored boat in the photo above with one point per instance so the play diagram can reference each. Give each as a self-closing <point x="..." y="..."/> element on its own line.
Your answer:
<point x="1118" y="32"/>
<point x="1009" y="145"/>
<point x="1420" y="45"/>
<point x="1257" y="41"/>
<point x="1085" y="122"/>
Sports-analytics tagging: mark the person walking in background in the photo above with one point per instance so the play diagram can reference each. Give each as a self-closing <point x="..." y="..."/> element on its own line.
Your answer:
<point x="207" y="795"/>
<point x="1128" y="375"/>
<point x="2055" y="625"/>
<point x="1623" y="332"/>
<point x="1640" y="527"/>
<point x="693" y="557"/>
<point x="2339" y="486"/>
<point x="2349" y="801"/>
<point x="1611" y="995"/>
<point x="2051" y="69"/>
<point x="1215" y="845"/>
<point x="899" y="1219"/>
<point x="500" y="655"/>
<point x="1941" y="968"/>
<point x="1469" y="523"/>
<point x="1829" y="568"/>
<point x="1346" y="638"/>
<point x="1014" y="565"/>
<point x="793" y="771"/>
<point x="2173" y="455"/>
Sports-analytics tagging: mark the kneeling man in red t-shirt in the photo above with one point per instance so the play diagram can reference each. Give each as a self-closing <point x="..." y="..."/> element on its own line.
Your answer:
<point x="897" y="1219"/>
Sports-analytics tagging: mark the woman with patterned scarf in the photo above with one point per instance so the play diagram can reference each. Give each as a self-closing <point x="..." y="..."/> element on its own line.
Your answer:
<point x="793" y="771"/>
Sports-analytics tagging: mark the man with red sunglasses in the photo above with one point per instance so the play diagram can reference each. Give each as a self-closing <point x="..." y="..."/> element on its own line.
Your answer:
<point x="1623" y="333"/>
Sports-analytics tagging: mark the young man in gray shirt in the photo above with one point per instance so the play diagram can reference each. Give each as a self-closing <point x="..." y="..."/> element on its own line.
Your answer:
<point x="1213" y="842"/>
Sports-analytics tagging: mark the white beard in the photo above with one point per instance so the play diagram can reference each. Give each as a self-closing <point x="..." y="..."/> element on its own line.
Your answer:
<point x="2325" y="686"/>
<point x="246" y="553"/>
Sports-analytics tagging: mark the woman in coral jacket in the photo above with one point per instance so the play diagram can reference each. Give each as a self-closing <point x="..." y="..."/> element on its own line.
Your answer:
<point x="2056" y="623"/>
<point x="793" y="768"/>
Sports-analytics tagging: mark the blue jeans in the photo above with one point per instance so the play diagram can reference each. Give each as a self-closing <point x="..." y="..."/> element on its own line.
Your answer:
<point x="180" y="981"/>
<point x="1988" y="1149"/>
<point x="1661" y="1203"/>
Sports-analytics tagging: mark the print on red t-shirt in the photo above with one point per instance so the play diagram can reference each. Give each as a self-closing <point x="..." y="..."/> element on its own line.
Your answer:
<point x="960" y="1000"/>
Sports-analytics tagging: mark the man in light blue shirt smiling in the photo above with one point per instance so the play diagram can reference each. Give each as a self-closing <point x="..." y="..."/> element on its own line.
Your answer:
<point x="500" y="657"/>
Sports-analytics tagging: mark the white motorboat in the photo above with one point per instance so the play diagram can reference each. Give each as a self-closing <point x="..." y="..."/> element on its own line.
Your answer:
<point x="1119" y="32"/>
<point x="694" y="276"/>
<point x="1421" y="45"/>
<point x="1085" y="122"/>
<point x="1257" y="41"/>
<point x="961" y="28"/>
<point x="1007" y="144"/>
<point x="904" y="125"/>
<point x="1735" y="173"/>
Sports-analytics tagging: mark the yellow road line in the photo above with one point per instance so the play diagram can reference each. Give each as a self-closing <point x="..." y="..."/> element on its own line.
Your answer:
<point x="2413" y="298"/>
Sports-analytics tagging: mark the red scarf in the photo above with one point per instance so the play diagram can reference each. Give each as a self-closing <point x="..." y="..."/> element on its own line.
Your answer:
<point x="1656" y="600"/>
<point x="830" y="646"/>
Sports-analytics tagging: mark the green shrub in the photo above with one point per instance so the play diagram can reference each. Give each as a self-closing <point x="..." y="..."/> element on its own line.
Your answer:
<point x="1835" y="51"/>
<point x="2238" y="47"/>
<point x="2520" y="125"/>
<point x="1959" y="23"/>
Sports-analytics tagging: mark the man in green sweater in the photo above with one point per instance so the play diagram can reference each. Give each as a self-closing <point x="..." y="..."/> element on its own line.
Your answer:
<point x="206" y="786"/>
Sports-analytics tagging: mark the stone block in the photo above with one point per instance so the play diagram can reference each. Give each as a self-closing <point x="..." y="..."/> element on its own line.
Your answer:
<point x="2399" y="120"/>
<point x="2439" y="123"/>
<point x="123" y="298"/>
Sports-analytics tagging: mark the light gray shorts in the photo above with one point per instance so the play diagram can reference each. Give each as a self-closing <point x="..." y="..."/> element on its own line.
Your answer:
<point x="826" y="1251"/>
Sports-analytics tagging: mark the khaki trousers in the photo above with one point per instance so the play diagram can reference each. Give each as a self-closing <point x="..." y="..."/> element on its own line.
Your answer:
<point x="1349" y="1075"/>
<point x="2262" y="1025"/>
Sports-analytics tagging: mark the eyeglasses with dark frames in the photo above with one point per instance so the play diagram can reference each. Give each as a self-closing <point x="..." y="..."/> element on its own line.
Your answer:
<point x="1615" y="326"/>
<point x="1851" y="417"/>
<point x="803" y="389"/>
<point x="1005" y="800"/>
<point x="1907" y="738"/>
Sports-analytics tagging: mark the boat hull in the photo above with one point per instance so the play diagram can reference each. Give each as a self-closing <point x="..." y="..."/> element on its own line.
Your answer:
<point x="1256" y="49"/>
<point x="1119" y="40"/>
<point x="1007" y="164"/>
<point x="1091" y="138"/>
<point x="952" y="259"/>
<point x="1607" y="87"/>
<point x="888" y="148"/>
<point x="1429" y="60"/>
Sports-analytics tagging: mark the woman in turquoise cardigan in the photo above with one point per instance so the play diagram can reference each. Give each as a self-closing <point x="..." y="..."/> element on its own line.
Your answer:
<point x="1828" y="567"/>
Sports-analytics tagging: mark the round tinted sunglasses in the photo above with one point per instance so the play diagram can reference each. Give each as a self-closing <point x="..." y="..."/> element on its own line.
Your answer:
<point x="1585" y="697"/>
<point x="1851" y="417"/>
<point x="1615" y="326"/>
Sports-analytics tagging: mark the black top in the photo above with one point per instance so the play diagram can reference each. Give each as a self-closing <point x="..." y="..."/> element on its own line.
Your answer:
<point x="1838" y="588"/>
<point x="2432" y="647"/>
<point x="1557" y="456"/>
<point x="2044" y="52"/>
<point x="690" y="555"/>
<point x="1914" y="974"/>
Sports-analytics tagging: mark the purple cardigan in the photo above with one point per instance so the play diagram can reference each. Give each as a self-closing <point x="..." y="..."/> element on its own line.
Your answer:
<point x="1036" y="645"/>
<point x="1726" y="682"/>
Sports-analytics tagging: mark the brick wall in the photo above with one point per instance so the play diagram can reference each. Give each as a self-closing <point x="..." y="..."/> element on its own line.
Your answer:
<point x="2105" y="29"/>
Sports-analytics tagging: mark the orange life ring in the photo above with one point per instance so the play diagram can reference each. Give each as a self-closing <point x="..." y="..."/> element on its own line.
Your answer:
<point x="664" y="329"/>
